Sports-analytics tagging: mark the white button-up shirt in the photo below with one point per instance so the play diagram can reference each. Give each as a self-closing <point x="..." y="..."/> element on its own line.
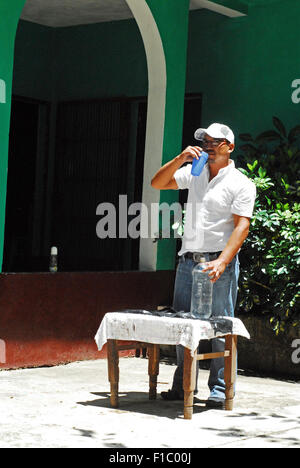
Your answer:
<point x="211" y="205"/>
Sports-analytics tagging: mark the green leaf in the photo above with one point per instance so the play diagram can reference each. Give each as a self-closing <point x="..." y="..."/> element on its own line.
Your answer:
<point x="279" y="125"/>
<point x="251" y="167"/>
<point x="262" y="172"/>
<point x="269" y="135"/>
<point x="294" y="133"/>
<point x="281" y="270"/>
<point x="268" y="200"/>
<point x="245" y="137"/>
<point x="286" y="186"/>
<point x="271" y="253"/>
<point x="243" y="171"/>
<point x="248" y="148"/>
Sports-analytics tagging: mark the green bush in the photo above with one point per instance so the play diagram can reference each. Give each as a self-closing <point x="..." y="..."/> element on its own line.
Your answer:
<point x="270" y="257"/>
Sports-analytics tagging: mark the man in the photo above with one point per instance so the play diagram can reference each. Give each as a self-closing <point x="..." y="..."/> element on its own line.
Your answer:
<point x="219" y="208"/>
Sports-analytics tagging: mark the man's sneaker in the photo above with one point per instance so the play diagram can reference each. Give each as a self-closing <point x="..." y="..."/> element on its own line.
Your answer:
<point x="172" y="395"/>
<point x="215" y="403"/>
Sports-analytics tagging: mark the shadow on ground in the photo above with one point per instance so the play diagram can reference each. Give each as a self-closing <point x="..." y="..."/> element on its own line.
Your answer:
<point x="138" y="402"/>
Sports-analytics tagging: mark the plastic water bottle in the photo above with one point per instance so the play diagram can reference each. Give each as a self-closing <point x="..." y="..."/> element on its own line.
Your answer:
<point x="53" y="260"/>
<point x="198" y="164"/>
<point x="201" y="304"/>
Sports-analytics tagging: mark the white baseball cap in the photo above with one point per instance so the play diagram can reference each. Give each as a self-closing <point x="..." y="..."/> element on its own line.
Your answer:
<point x="215" y="130"/>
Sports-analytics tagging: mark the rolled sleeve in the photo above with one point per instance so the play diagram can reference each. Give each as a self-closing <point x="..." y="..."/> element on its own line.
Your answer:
<point x="183" y="177"/>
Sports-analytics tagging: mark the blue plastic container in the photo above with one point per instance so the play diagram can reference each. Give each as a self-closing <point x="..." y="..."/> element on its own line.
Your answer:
<point x="198" y="164"/>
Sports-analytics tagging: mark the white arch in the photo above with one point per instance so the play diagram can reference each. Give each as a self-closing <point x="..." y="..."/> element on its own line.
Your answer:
<point x="157" y="85"/>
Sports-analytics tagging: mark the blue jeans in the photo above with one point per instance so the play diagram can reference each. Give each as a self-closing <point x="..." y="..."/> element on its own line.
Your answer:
<point x="223" y="304"/>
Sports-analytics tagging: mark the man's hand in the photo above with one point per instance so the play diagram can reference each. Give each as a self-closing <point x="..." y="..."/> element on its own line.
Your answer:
<point x="235" y="242"/>
<point x="190" y="153"/>
<point x="164" y="178"/>
<point x="216" y="268"/>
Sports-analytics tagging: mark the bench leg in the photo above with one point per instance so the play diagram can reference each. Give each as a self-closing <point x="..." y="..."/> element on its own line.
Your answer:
<point x="230" y="370"/>
<point x="153" y="370"/>
<point x="113" y="372"/>
<point x="189" y="381"/>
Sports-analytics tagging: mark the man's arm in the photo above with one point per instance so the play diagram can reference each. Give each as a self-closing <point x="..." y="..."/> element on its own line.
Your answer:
<point x="164" y="179"/>
<point x="235" y="242"/>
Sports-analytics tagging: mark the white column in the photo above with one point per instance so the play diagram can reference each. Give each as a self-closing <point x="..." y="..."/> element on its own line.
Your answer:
<point x="157" y="84"/>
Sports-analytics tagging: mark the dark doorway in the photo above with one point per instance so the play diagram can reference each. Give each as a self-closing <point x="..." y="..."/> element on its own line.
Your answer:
<point x="25" y="187"/>
<point x="99" y="156"/>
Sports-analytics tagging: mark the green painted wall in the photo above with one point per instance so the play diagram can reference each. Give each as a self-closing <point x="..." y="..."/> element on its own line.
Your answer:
<point x="82" y="62"/>
<point x="245" y="66"/>
<point x="9" y="15"/>
<point x="101" y="60"/>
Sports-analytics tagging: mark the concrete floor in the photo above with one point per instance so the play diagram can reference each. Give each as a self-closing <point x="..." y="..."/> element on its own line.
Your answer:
<point x="68" y="406"/>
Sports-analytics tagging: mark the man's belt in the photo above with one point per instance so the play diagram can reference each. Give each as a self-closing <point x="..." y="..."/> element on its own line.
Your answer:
<point x="196" y="256"/>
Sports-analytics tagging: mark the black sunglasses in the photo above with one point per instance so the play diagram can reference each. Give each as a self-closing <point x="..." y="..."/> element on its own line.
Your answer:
<point x="215" y="142"/>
